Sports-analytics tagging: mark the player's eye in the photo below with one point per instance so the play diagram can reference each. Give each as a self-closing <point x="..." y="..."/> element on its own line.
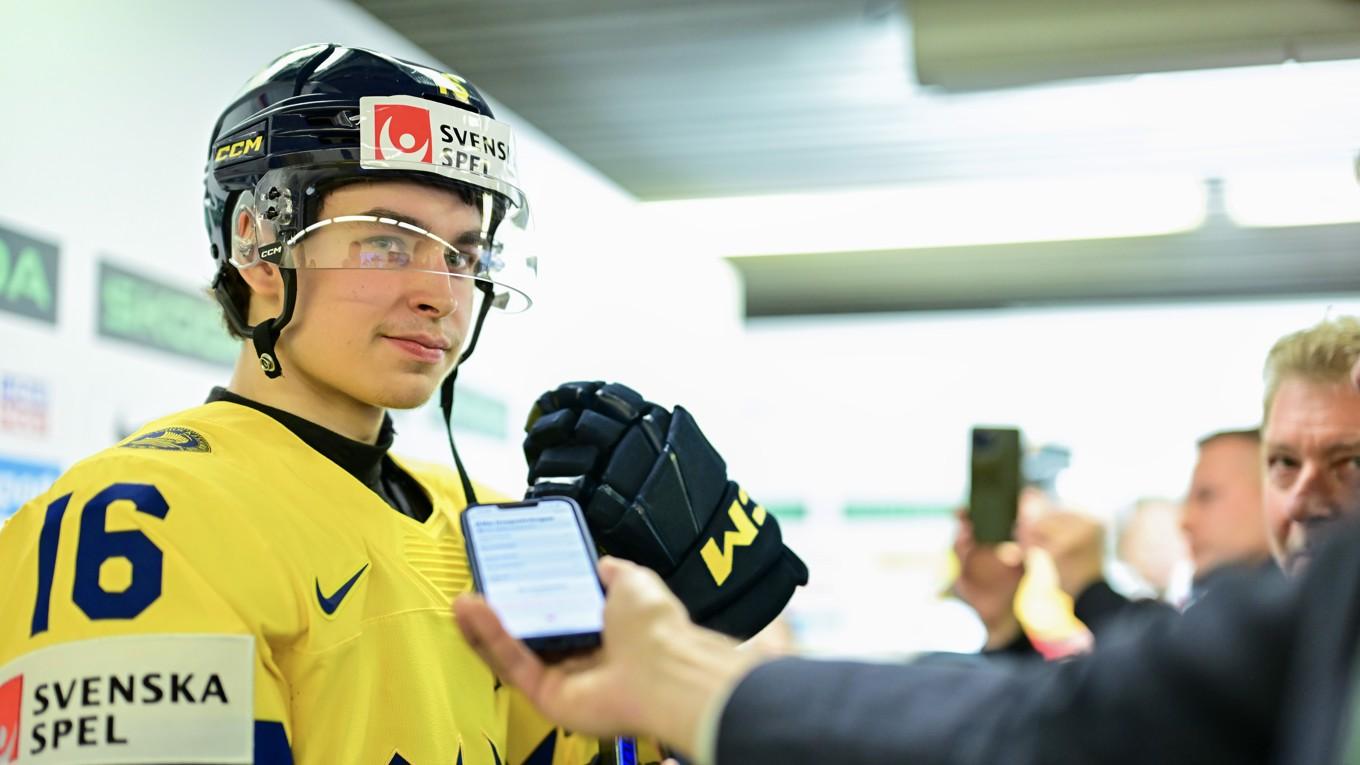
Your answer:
<point x="459" y="262"/>
<point x="384" y="252"/>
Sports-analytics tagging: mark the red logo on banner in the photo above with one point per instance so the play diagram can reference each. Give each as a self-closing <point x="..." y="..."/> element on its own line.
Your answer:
<point x="403" y="132"/>
<point x="23" y="405"/>
<point x="11" y="703"/>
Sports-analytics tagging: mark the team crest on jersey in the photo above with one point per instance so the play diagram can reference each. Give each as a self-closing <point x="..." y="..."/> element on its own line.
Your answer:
<point x="170" y="440"/>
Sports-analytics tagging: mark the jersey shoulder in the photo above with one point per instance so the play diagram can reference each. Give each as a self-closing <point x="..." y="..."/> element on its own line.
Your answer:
<point x="220" y="428"/>
<point x="170" y="505"/>
<point x="203" y="448"/>
<point x="194" y="443"/>
<point x="190" y="447"/>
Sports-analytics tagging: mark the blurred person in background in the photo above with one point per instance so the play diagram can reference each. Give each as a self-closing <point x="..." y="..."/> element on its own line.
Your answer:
<point x="1311" y="437"/>
<point x="1223" y="515"/>
<point x="1232" y="516"/>
<point x="1022" y="609"/>
<point x="990" y="576"/>
<point x="1150" y="546"/>
<point x="1222" y="520"/>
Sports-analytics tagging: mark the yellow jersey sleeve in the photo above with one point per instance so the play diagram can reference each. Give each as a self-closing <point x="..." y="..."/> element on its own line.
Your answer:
<point x="135" y="629"/>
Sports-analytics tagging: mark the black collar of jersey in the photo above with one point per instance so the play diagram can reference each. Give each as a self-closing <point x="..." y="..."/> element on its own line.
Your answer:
<point x="368" y="463"/>
<point x="361" y="460"/>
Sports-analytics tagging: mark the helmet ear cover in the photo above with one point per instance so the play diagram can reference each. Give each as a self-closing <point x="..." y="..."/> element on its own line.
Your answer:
<point x="245" y="232"/>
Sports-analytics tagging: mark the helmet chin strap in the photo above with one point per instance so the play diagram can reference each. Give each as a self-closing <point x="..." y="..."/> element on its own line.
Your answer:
<point x="446" y="391"/>
<point x="266" y="334"/>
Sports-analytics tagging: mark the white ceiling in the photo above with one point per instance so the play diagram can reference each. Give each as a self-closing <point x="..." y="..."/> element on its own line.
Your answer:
<point x="700" y="98"/>
<point x="677" y="99"/>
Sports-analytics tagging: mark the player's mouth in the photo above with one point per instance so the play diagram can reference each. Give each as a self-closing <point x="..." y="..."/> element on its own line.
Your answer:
<point x="427" y="348"/>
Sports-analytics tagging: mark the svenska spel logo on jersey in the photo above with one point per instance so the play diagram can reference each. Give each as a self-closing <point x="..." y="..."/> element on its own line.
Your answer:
<point x="11" y="708"/>
<point x="403" y="133"/>
<point x="130" y="698"/>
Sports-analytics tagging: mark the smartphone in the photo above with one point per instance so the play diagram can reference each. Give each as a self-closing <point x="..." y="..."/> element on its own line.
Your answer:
<point x="994" y="483"/>
<point x="534" y="562"/>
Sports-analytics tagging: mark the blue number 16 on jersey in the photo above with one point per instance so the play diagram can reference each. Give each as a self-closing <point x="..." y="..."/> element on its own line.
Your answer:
<point x="96" y="545"/>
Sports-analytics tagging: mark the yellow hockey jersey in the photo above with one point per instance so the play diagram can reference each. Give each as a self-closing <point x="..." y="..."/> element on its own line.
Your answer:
<point x="214" y="590"/>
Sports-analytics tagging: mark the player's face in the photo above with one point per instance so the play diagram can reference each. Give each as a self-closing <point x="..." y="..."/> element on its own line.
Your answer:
<point x="1312" y="452"/>
<point x="384" y="337"/>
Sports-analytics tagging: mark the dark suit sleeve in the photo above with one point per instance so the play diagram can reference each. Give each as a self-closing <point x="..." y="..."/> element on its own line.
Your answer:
<point x="1203" y="688"/>
<point x="1105" y="611"/>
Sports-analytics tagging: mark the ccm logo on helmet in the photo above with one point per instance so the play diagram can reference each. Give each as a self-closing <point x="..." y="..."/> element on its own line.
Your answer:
<point x="239" y="149"/>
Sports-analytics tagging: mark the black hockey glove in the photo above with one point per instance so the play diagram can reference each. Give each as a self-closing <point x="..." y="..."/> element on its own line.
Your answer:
<point x="655" y="492"/>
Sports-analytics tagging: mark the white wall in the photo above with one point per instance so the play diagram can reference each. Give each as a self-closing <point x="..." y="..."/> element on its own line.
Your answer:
<point x="106" y="114"/>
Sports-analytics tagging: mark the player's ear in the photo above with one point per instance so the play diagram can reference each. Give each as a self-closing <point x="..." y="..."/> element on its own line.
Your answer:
<point x="266" y="290"/>
<point x="264" y="280"/>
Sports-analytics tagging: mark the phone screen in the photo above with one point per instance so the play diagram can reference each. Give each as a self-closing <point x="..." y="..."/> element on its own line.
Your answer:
<point x="535" y="564"/>
<point x="994" y="483"/>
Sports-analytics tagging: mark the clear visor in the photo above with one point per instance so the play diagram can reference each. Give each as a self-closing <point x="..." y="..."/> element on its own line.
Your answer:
<point x="482" y="253"/>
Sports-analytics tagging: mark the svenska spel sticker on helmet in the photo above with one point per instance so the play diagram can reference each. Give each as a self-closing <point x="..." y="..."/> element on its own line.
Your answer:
<point x="408" y="133"/>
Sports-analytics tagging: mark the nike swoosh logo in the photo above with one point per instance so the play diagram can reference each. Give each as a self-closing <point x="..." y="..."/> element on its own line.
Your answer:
<point x="329" y="604"/>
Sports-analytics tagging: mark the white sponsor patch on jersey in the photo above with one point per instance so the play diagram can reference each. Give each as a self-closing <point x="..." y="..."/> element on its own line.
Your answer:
<point x="135" y="698"/>
<point x="407" y="133"/>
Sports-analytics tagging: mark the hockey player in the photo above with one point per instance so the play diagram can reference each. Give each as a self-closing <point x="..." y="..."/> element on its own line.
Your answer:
<point x="258" y="579"/>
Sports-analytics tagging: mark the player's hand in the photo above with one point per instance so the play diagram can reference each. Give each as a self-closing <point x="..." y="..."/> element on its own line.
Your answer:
<point x="1075" y="541"/>
<point x="654" y="675"/>
<point x="656" y="492"/>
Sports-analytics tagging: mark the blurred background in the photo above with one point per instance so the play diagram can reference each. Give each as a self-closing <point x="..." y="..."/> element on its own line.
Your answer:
<point x="840" y="232"/>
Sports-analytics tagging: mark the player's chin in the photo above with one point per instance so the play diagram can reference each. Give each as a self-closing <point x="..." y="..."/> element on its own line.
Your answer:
<point x="411" y="389"/>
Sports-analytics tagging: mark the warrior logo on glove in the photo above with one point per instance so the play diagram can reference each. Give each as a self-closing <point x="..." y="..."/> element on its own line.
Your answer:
<point x="655" y="492"/>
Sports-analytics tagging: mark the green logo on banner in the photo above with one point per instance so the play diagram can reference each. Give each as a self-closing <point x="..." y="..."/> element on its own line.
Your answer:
<point x="156" y="315"/>
<point x="28" y="276"/>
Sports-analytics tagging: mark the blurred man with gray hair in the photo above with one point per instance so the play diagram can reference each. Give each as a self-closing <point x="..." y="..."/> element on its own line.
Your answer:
<point x="1311" y="437"/>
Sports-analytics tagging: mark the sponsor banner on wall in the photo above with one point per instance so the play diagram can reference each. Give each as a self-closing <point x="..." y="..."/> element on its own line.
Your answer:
<point x="22" y="480"/>
<point x="156" y="315"/>
<point x="28" y="276"/>
<point x="24" y="405"/>
<point x="476" y="412"/>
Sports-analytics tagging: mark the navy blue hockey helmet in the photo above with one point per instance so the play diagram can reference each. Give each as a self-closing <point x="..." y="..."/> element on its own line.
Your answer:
<point x="324" y="115"/>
